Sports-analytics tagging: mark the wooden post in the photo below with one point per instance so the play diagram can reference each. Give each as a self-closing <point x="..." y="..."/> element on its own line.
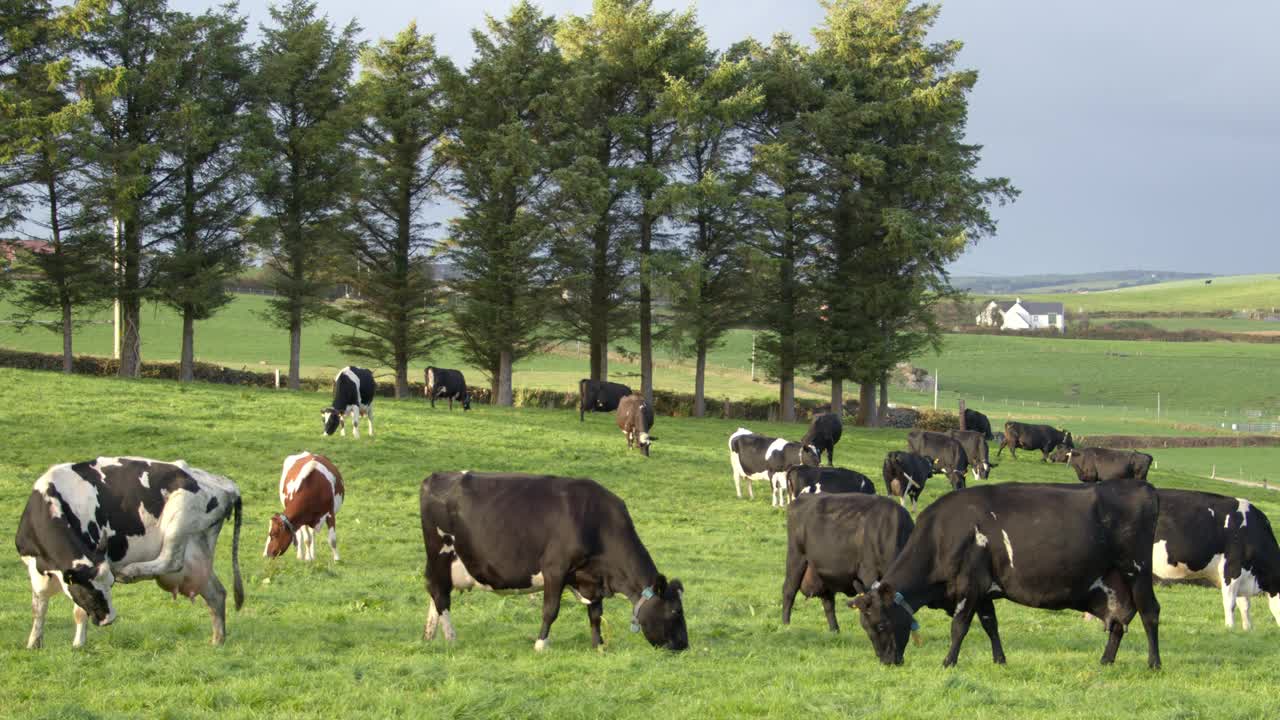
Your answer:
<point x="962" y="427"/>
<point x="277" y="378"/>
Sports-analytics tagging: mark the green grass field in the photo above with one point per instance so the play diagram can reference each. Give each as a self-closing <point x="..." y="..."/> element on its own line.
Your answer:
<point x="345" y="639"/>
<point x="1236" y="292"/>
<point x="1226" y="325"/>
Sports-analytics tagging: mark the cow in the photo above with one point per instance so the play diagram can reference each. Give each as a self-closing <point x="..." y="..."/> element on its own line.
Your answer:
<point x="311" y="493"/>
<point x="91" y="524"/>
<point x="512" y="533"/>
<point x="975" y="448"/>
<point x="905" y="474"/>
<point x="840" y="543"/>
<point x="803" y="479"/>
<point x="1220" y="541"/>
<point x="947" y="453"/>
<point x="1048" y="546"/>
<point x="1102" y="464"/>
<point x="635" y="420"/>
<point x="449" y="384"/>
<point x="353" y="390"/>
<point x="599" y="396"/>
<point x="760" y="457"/>
<point x="977" y="422"/>
<point x="824" y="432"/>
<point x="1021" y="436"/>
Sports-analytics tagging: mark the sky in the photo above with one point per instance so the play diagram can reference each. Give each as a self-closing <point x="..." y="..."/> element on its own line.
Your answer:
<point x="1143" y="134"/>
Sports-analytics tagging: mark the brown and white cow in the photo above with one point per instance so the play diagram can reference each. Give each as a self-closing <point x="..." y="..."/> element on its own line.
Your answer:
<point x="311" y="493"/>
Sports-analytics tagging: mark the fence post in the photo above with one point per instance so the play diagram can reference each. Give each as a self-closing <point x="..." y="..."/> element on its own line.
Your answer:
<point x="962" y="427"/>
<point x="277" y="378"/>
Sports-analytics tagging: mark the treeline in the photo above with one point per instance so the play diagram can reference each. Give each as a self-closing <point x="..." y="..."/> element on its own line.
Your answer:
<point x="597" y="161"/>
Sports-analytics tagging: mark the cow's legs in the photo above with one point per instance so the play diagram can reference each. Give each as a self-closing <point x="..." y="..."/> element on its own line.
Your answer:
<point x="299" y="541"/>
<point x="438" y="598"/>
<point x="369" y="415"/>
<point x="551" y="592"/>
<point x="82" y="626"/>
<point x="215" y="596"/>
<point x="333" y="535"/>
<point x="1275" y="607"/>
<point x="355" y="423"/>
<point x="1144" y="598"/>
<point x="1230" y="597"/>
<point x="1116" y="628"/>
<point x="791" y="583"/>
<point x="181" y="507"/>
<point x="39" y="606"/>
<point x="960" y="623"/>
<point x="595" y="611"/>
<point x="829" y="607"/>
<point x="1242" y="604"/>
<point x="987" y="616"/>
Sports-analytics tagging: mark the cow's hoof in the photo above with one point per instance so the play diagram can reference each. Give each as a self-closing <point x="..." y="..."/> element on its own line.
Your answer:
<point x="36" y="644"/>
<point x="998" y="660"/>
<point x="1154" y="665"/>
<point x="600" y="648"/>
<point x="1107" y="661"/>
<point x="541" y="645"/>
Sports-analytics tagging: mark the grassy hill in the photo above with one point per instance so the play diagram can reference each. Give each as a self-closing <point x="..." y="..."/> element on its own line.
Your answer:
<point x="1058" y="282"/>
<point x="1237" y="292"/>
<point x="346" y="637"/>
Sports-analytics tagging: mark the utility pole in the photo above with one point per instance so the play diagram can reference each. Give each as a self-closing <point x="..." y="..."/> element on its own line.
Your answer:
<point x="935" y="388"/>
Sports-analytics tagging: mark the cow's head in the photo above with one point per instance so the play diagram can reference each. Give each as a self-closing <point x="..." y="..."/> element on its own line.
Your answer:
<point x="1061" y="454"/>
<point x="644" y="441"/>
<point x="661" y="617"/>
<point x="89" y="586"/>
<point x="809" y="456"/>
<point x="280" y="534"/>
<point x="332" y="419"/>
<point x="1066" y="439"/>
<point x="886" y="620"/>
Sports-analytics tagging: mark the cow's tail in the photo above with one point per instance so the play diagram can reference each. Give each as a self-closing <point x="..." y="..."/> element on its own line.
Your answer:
<point x="237" y="583"/>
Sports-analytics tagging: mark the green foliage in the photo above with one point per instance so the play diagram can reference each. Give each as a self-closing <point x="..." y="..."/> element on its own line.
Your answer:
<point x="937" y="420"/>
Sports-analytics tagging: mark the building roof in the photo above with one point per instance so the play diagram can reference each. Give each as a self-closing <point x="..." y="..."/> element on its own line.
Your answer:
<point x="1043" y="308"/>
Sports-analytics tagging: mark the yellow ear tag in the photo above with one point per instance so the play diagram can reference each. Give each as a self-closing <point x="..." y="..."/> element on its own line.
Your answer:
<point x="915" y="638"/>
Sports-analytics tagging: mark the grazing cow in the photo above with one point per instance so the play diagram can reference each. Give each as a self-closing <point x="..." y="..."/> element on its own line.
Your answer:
<point x="449" y="384"/>
<point x="311" y="493"/>
<point x="760" y="457"/>
<point x="1021" y="436"/>
<point x="635" y="419"/>
<point x="905" y="474"/>
<point x="977" y="422"/>
<point x="840" y="543"/>
<point x="1049" y="546"/>
<point x="353" y="390"/>
<point x="92" y="524"/>
<point x="946" y="451"/>
<point x="824" y="433"/>
<point x="1102" y="464"/>
<point x="814" y="480"/>
<point x="599" y="396"/>
<point x="975" y="448"/>
<point x="525" y="533"/>
<point x="1220" y="541"/>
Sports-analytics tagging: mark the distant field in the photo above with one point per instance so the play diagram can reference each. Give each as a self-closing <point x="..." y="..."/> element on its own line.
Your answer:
<point x="1226" y="325"/>
<point x="1253" y="464"/>
<point x="1225" y="293"/>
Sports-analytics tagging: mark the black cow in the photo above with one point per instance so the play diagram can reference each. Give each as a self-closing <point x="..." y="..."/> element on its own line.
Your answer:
<point x="813" y="480"/>
<point x="840" y="543"/>
<point x="1102" y="464"/>
<point x="975" y="448"/>
<point x="1049" y="546"/>
<point x="760" y="457"/>
<point x="1221" y="541"/>
<point x="824" y="432"/>
<point x="353" y="390"/>
<point x="527" y="533"/>
<point x="977" y="422"/>
<point x="946" y="451"/>
<point x="635" y="420"/>
<point x="905" y="474"/>
<point x="599" y="396"/>
<point x="92" y="524"/>
<point x="1021" y="436"/>
<point x="445" y="383"/>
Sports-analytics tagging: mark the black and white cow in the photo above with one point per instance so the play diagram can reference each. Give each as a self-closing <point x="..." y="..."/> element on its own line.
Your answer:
<point x="599" y="396"/>
<point x="804" y="480"/>
<point x="635" y="420"/>
<point x="947" y="453"/>
<point x="824" y="432"/>
<point x="977" y="422"/>
<point x="905" y="474"/>
<point x="1049" y="546"/>
<point x="760" y="457"/>
<point x="1102" y="464"/>
<point x="447" y="384"/>
<point x="353" y="390"/>
<point x="840" y="543"/>
<point x="512" y="533"/>
<point x="1220" y="541"/>
<point x="1022" y="436"/>
<point x="91" y="524"/>
<point x="975" y="448"/>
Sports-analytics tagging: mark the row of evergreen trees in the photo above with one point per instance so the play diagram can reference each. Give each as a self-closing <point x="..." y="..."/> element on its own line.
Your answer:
<point x="815" y="193"/>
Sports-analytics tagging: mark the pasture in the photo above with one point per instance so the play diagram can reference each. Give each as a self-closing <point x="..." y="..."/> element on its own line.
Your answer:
<point x="345" y="638"/>
<point x="1235" y="292"/>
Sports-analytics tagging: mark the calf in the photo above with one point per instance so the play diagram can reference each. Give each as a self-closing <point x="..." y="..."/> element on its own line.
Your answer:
<point x="824" y="432"/>
<point x="760" y="457"/>
<point x="905" y="474"/>
<point x="975" y="448"/>
<point x="1021" y="436"/>
<point x="448" y="384"/>
<point x="840" y="543"/>
<point x="311" y="493"/>
<point x="92" y="524"/>
<point x="599" y="396"/>
<point x="977" y="422"/>
<point x="946" y="451"/>
<point x="1101" y="464"/>
<point x="1083" y="547"/>
<point x="353" y="390"/>
<point x="813" y="480"/>
<point x="525" y="534"/>
<point x="635" y="420"/>
<point x="1221" y="541"/>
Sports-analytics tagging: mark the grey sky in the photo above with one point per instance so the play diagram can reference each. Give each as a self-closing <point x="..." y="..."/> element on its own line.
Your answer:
<point x="1143" y="134"/>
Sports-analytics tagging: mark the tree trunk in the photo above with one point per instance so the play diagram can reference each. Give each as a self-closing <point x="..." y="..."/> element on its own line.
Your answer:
<point x="837" y="396"/>
<point x="646" y="305"/>
<point x="700" y="381"/>
<point x="866" y="404"/>
<point x="884" y="399"/>
<point x="402" y="377"/>
<point x="67" y="357"/>
<point x="599" y="310"/>
<point x="787" y="398"/>
<point x="131" y="302"/>
<point x="186" y="369"/>
<point x="504" y="396"/>
<point x="295" y="349"/>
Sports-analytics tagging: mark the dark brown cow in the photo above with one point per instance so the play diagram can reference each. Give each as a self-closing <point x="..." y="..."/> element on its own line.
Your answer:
<point x="635" y="420"/>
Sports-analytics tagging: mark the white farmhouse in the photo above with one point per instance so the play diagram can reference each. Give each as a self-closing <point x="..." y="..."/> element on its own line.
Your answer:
<point x="1020" y="315"/>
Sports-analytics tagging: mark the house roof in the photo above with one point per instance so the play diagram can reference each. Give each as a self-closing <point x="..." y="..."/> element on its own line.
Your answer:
<point x="1043" y="308"/>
